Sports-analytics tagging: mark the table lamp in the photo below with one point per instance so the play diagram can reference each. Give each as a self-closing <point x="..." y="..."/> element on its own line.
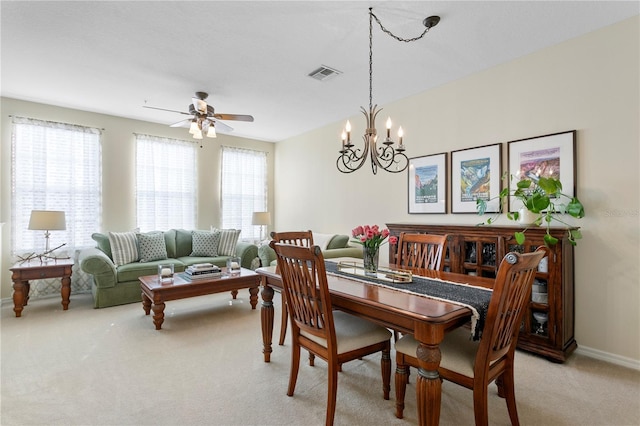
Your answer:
<point x="262" y="219"/>
<point x="47" y="220"/>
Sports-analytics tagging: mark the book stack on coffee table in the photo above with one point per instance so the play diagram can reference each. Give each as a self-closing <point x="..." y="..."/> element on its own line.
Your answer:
<point x="203" y="270"/>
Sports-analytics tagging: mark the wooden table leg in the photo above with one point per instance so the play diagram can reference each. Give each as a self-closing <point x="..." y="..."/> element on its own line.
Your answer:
<point x="253" y="296"/>
<point x="146" y="304"/>
<point x="234" y="294"/>
<point x="19" y="288"/>
<point x="65" y="291"/>
<point x="27" y="291"/>
<point x="266" y="319"/>
<point x="429" y="385"/>
<point x="158" y="314"/>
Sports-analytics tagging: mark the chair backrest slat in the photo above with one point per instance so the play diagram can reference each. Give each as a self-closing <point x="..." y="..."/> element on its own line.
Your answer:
<point x="304" y="281"/>
<point x="511" y="292"/>
<point x="420" y="251"/>
<point x="296" y="238"/>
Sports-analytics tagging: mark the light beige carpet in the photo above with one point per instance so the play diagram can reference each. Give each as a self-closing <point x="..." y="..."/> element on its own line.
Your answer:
<point x="205" y="367"/>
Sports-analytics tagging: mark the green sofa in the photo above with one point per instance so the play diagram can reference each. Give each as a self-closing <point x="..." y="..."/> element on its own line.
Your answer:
<point x="117" y="285"/>
<point x="332" y="246"/>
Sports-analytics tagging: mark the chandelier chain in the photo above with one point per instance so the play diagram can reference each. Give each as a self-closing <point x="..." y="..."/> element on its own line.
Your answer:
<point x="370" y="59"/>
<point x="406" y="40"/>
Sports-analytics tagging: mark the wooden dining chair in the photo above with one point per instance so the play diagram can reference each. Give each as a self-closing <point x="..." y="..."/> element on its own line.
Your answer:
<point x="298" y="238"/>
<point x="335" y="336"/>
<point x="420" y="251"/>
<point x="475" y="364"/>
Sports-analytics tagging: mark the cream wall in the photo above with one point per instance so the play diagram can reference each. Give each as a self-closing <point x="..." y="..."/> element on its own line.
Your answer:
<point x="118" y="168"/>
<point x="590" y="84"/>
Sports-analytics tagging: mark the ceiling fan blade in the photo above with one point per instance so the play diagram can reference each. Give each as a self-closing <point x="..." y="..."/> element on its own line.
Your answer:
<point x="181" y="123"/>
<point x="200" y="105"/>
<point x="219" y="125"/>
<point x="236" y="117"/>
<point x="163" y="109"/>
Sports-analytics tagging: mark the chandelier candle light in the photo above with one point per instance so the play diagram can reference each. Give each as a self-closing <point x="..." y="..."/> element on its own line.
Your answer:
<point x="385" y="157"/>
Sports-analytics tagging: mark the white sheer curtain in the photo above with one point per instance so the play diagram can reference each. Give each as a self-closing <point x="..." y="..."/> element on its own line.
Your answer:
<point x="55" y="166"/>
<point x="243" y="189"/>
<point x="166" y="183"/>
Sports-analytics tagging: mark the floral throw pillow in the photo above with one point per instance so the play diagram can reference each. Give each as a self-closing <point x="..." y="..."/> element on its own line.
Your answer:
<point x="124" y="247"/>
<point x="152" y="246"/>
<point x="205" y="243"/>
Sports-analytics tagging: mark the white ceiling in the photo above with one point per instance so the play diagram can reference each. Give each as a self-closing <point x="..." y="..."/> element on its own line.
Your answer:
<point x="253" y="57"/>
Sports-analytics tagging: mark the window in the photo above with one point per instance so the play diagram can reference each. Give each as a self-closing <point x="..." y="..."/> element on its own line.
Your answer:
<point x="166" y="183"/>
<point x="244" y="189"/>
<point x="55" y="166"/>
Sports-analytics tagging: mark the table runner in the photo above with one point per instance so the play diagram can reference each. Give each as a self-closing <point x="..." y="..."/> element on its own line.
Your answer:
<point x="475" y="298"/>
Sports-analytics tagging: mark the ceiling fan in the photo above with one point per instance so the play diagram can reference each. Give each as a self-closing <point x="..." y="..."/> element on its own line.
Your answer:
<point x="204" y="119"/>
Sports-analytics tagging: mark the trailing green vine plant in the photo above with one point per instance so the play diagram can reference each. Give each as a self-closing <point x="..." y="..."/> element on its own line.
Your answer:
<point x="544" y="198"/>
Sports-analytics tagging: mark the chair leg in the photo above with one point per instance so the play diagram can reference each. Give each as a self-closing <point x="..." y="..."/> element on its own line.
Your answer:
<point x="385" y="366"/>
<point x="284" y="321"/>
<point x="480" y="389"/>
<point x="401" y="385"/>
<point x="312" y="359"/>
<point x="332" y="392"/>
<point x="295" y="366"/>
<point x="508" y="386"/>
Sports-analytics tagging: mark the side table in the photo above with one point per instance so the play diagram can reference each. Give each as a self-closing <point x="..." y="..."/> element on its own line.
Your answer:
<point x="36" y="270"/>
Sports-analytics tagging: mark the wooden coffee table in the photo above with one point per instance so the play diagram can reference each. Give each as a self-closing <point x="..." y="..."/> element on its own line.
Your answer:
<point x="155" y="293"/>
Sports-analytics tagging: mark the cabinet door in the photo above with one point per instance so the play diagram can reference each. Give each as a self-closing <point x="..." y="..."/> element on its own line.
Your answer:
<point x="539" y="320"/>
<point x="479" y="256"/>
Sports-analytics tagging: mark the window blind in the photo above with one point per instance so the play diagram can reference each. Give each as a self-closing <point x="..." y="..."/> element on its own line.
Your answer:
<point x="55" y="166"/>
<point x="243" y="189"/>
<point x="166" y="183"/>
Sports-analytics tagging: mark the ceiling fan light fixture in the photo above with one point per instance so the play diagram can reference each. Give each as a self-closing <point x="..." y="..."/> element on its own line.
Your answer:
<point x="198" y="134"/>
<point x="193" y="128"/>
<point x="211" y="132"/>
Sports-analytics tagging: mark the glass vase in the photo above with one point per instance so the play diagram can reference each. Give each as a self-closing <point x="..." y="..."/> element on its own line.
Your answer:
<point x="370" y="256"/>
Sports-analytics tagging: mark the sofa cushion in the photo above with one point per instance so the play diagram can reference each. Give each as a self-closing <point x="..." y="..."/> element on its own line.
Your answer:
<point x="338" y="241"/>
<point x="205" y="243"/>
<point x="102" y="241"/>
<point x="152" y="246"/>
<point x="124" y="247"/>
<point x="183" y="243"/>
<point x="228" y="241"/>
<point x="170" y="243"/>
<point x="322" y="240"/>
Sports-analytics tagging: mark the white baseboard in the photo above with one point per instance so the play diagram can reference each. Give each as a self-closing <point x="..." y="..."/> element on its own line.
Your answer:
<point x="609" y="357"/>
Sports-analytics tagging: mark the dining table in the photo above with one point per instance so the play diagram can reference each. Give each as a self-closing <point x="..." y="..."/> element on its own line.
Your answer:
<point x="427" y="318"/>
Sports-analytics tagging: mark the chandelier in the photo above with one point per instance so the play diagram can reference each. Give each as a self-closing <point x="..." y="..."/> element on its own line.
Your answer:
<point x="385" y="157"/>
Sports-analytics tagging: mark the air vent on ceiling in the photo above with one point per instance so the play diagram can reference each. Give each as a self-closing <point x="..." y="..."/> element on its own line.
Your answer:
<point x="323" y="73"/>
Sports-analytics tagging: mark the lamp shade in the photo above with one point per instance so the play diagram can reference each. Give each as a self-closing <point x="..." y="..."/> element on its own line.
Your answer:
<point x="261" y="218"/>
<point x="47" y="220"/>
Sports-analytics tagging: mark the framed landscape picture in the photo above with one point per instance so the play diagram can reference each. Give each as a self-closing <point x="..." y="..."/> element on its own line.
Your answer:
<point x="550" y="156"/>
<point x="476" y="174"/>
<point x="428" y="184"/>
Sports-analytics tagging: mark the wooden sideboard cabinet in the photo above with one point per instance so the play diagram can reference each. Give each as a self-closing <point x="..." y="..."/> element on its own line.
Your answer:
<point x="478" y="250"/>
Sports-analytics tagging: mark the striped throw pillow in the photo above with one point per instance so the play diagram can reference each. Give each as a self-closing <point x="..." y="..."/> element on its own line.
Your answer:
<point x="124" y="247"/>
<point x="228" y="241"/>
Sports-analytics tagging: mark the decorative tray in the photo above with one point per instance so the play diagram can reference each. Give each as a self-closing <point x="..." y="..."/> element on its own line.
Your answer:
<point x="383" y="274"/>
